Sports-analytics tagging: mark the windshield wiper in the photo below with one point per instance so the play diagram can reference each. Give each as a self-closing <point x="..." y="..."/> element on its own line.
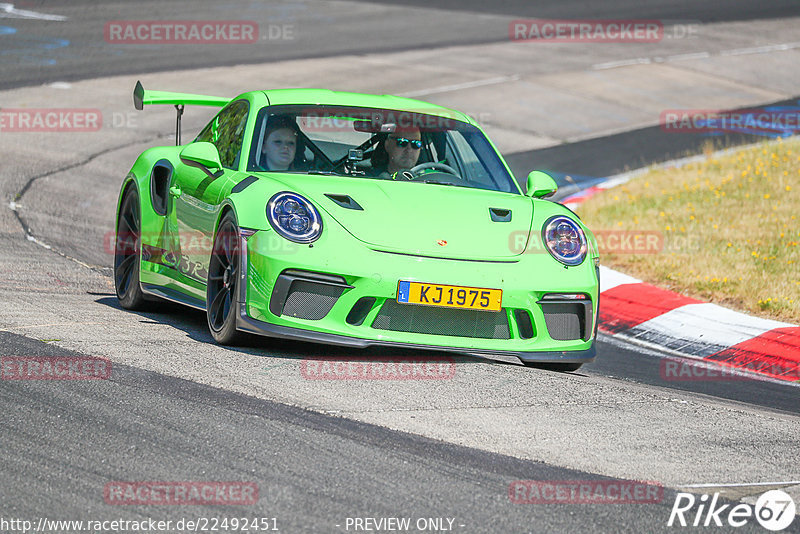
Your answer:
<point x="325" y="173"/>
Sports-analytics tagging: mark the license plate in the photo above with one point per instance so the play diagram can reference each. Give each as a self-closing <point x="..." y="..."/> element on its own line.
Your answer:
<point x="469" y="298"/>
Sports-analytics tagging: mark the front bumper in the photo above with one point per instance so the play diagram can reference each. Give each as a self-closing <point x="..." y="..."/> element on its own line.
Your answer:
<point x="248" y="324"/>
<point x="373" y="274"/>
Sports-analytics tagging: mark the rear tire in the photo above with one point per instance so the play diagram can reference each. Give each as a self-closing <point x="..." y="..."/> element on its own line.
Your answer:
<point x="222" y="286"/>
<point x="127" y="253"/>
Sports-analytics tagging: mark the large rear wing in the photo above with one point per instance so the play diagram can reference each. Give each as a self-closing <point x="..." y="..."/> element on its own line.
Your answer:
<point x="142" y="97"/>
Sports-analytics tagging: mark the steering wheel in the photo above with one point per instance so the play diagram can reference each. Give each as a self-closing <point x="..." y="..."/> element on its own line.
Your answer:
<point x="434" y="165"/>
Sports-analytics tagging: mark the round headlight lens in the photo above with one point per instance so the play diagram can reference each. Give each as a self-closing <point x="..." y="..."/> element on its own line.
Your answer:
<point x="565" y="240"/>
<point x="294" y="217"/>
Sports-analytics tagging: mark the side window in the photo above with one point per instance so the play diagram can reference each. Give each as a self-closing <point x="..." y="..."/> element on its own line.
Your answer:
<point x="226" y="132"/>
<point x="472" y="167"/>
<point x="473" y="153"/>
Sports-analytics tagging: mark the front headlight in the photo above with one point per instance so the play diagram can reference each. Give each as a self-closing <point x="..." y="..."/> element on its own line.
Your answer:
<point x="294" y="217"/>
<point x="565" y="240"/>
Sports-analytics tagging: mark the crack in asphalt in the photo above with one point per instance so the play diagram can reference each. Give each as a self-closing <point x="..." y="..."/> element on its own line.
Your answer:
<point x="14" y="205"/>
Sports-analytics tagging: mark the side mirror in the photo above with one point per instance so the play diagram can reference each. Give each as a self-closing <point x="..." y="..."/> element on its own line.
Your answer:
<point x="540" y="185"/>
<point x="202" y="152"/>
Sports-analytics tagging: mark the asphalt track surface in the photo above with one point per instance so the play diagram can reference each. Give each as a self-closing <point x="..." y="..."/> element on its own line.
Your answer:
<point x="61" y="442"/>
<point x="313" y="470"/>
<point x="77" y="51"/>
<point x="40" y="52"/>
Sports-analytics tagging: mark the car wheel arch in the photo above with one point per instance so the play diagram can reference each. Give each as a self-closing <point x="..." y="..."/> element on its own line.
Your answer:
<point x="226" y="207"/>
<point x="128" y="184"/>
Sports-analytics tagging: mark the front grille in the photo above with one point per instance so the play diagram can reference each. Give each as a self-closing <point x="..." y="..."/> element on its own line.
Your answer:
<point x="307" y="300"/>
<point x="441" y="321"/>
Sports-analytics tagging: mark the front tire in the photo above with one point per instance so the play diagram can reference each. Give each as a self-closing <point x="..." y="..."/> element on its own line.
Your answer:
<point x="222" y="287"/>
<point x="127" y="253"/>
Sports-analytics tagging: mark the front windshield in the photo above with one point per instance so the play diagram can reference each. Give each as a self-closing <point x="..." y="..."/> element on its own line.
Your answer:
<point x="376" y="144"/>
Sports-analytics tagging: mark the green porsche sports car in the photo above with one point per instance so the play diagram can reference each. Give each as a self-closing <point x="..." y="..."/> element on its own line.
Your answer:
<point x="356" y="220"/>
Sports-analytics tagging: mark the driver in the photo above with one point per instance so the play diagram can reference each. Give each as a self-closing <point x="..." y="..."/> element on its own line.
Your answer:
<point x="398" y="152"/>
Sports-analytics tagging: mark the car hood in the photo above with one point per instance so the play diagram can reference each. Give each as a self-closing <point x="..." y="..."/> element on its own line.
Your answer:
<point x="425" y="219"/>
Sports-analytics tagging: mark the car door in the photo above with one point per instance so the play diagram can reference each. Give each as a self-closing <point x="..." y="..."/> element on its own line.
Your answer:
<point x="197" y="193"/>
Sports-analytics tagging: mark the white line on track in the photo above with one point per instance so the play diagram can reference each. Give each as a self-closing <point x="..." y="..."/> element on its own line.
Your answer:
<point x="684" y="57"/>
<point x="741" y="485"/>
<point x="622" y="63"/>
<point x="760" y="49"/>
<point x="697" y="55"/>
<point x="459" y="86"/>
<point x="8" y="11"/>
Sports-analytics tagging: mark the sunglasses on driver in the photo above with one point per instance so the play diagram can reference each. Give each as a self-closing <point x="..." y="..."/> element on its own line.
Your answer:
<point x="402" y="142"/>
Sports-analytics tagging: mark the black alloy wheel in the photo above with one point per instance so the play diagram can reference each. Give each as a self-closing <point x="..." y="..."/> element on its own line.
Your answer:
<point x="222" y="299"/>
<point x="127" y="253"/>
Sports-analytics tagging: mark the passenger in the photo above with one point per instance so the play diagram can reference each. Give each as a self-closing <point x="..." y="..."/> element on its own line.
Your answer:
<point x="397" y="153"/>
<point x="279" y="150"/>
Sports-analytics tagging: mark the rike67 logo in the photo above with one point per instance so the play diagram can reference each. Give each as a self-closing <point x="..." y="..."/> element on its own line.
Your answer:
<point x="774" y="510"/>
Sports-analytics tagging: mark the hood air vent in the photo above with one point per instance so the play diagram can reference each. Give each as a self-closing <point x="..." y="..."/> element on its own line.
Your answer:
<point x="345" y="201"/>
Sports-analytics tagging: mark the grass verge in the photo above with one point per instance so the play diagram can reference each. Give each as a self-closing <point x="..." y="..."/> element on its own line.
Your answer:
<point x="724" y="230"/>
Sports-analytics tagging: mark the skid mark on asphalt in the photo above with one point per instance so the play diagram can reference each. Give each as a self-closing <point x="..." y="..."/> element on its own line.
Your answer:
<point x="51" y="324"/>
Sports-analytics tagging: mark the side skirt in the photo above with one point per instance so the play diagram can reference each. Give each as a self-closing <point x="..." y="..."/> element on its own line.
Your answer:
<point x="173" y="296"/>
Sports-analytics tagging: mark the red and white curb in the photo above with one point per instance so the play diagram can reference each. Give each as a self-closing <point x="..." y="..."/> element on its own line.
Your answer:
<point x="683" y="326"/>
